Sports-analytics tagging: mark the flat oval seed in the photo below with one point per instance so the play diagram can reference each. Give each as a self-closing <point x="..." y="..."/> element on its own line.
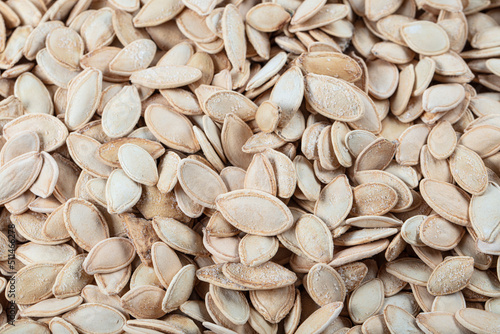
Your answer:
<point x="179" y="236"/>
<point x="225" y="248"/>
<point x="122" y="112"/>
<point x="138" y="164"/>
<point x="447" y="200"/>
<point x="66" y="46"/>
<point x="260" y="175"/>
<point x="30" y="289"/>
<point x="449" y="303"/>
<point x="33" y="95"/>
<point x="133" y="57"/>
<point x="321" y="319"/>
<point x="478" y="321"/>
<point x="333" y="98"/>
<point x="13" y="50"/>
<point x="189" y="207"/>
<point x="83" y="150"/>
<point x="484" y="213"/>
<point x="485" y="38"/>
<point x="200" y="182"/>
<point x="376" y="155"/>
<point x="180" y="288"/>
<point x="286" y="178"/>
<point x="182" y="100"/>
<point x="439" y="322"/>
<point x="109" y="255"/>
<point x="330" y="63"/>
<point x="338" y="134"/>
<point x="444" y="97"/>
<point x="29" y="225"/>
<point x="438" y="233"/>
<point x="166" y="263"/>
<point x="306" y="180"/>
<point x="167" y="170"/>
<point x="97" y="30"/>
<point x="398" y="320"/>
<point x="233" y="33"/>
<point x="57" y="73"/>
<point x="51" y="131"/>
<point x="144" y="302"/>
<point x="288" y="93"/>
<point x="366" y="300"/>
<point x="373" y="222"/>
<point x="164" y="77"/>
<point x="85" y="224"/>
<point x="72" y="278"/>
<point x="468" y="170"/>
<point x="272" y="67"/>
<point x="234" y="135"/>
<point x="433" y="168"/>
<point x="171" y="128"/>
<point x="108" y="152"/>
<point x="314" y="238"/>
<point x="325" y="285"/>
<point x="410" y="270"/>
<point x="392" y="52"/>
<point x="113" y="283"/>
<point x="213" y="275"/>
<point x="410" y="230"/>
<point x="83" y="98"/>
<point x="232" y="304"/>
<point x="417" y="37"/>
<point x="52" y="307"/>
<point x="424" y="72"/>
<point x="255" y="212"/>
<point x="363" y="236"/>
<point x="18" y="175"/>
<point x="405" y="198"/>
<point x="254" y="250"/>
<point x="122" y="193"/>
<point x="335" y="202"/>
<point x="19" y="144"/>
<point x="31" y="252"/>
<point x="36" y="40"/>
<point x="54" y="227"/>
<point x="383" y="78"/>
<point x="218" y="104"/>
<point x="357" y="140"/>
<point x="481" y="139"/>
<point x="410" y="143"/>
<point x="273" y="305"/>
<point x="373" y="199"/>
<point x="307" y="10"/>
<point x="264" y="277"/>
<point x="400" y="99"/>
<point x="267" y="116"/>
<point x="156" y="12"/>
<point x="267" y="17"/>
<point x="451" y="275"/>
<point x="442" y="140"/>
<point x="96" y="318"/>
<point x="484" y="283"/>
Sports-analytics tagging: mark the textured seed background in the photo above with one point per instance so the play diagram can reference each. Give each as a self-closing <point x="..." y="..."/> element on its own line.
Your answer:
<point x="245" y="166"/>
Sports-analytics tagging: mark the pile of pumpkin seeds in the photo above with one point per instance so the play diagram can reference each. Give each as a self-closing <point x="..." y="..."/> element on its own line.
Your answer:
<point x="237" y="166"/>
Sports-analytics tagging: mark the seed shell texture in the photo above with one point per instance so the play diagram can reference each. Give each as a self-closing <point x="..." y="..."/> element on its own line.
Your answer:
<point x="255" y="212"/>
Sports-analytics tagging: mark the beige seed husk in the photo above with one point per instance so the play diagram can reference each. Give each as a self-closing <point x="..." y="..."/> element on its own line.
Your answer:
<point x="234" y="206"/>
